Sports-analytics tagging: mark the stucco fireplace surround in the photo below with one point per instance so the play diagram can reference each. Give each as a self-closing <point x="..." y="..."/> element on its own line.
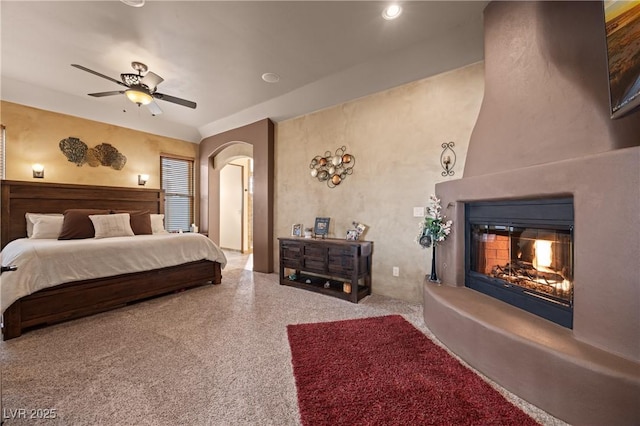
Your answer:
<point x="544" y="132"/>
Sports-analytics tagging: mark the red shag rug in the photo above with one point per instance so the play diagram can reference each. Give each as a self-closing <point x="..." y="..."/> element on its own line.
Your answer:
<point x="384" y="371"/>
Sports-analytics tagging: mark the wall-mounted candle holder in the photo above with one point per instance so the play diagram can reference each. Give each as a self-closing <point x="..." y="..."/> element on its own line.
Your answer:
<point x="448" y="158"/>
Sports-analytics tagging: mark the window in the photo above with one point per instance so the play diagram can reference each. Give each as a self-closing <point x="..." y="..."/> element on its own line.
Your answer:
<point x="177" y="181"/>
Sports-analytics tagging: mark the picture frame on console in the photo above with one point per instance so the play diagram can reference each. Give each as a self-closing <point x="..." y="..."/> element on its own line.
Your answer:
<point x="296" y="230"/>
<point x="352" y="235"/>
<point x="321" y="228"/>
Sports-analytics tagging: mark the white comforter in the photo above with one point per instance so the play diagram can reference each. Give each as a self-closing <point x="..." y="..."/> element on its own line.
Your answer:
<point x="46" y="263"/>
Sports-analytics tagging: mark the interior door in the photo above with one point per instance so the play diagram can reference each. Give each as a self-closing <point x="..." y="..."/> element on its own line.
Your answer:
<point x="231" y="207"/>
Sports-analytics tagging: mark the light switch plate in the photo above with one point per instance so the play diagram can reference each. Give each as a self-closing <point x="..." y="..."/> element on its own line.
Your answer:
<point x="418" y="212"/>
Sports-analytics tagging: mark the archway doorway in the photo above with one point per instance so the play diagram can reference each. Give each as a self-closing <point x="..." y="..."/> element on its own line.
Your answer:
<point x="260" y="137"/>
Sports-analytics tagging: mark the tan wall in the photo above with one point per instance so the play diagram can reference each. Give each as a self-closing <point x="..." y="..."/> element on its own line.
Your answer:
<point x="396" y="137"/>
<point x="545" y="116"/>
<point x="545" y="100"/>
<point x="33" y="136"/>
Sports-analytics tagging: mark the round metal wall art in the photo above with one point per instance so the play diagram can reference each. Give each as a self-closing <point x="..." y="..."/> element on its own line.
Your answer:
<point x="332" y="168"/>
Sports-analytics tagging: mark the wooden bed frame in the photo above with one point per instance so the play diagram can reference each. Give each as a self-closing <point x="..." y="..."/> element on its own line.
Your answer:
<point x="82" y="298"/>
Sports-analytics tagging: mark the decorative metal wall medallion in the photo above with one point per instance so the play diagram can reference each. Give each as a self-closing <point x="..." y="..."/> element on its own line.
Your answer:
<point x="104" y="154"/>
<point x="75" y="150"/>
<point x="332" y="168"/>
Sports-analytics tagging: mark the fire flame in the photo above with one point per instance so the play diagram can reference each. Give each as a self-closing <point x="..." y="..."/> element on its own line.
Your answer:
<point x="543" y="255"/>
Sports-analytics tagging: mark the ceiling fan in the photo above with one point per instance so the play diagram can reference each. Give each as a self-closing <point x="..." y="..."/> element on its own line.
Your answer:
<point x="140" y="88"/>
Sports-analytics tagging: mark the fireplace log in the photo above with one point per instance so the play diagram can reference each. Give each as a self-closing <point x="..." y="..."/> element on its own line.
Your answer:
<point x="526" y="270"/>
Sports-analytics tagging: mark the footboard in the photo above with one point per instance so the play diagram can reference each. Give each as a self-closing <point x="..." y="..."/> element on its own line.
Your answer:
<point x="83" y="298"/>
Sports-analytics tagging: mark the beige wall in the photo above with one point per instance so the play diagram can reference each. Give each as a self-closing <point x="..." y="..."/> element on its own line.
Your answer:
<point x="33" y="136"/>
<point x="396" y="137"/>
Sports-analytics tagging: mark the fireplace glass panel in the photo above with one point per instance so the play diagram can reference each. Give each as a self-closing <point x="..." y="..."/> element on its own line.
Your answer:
<point x="540" y="261"/>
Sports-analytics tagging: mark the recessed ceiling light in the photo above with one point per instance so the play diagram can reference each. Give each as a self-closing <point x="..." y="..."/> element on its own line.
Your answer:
<point x="391" y="12"/>
<point x="271" y="77"/>
<point x="133" y="3"/>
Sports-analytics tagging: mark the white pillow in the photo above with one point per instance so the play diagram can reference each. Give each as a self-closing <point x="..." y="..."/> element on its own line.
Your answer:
<point x="111" y="225"/>
<point x="157" y="224"/>
<point x="47" y="227"/>
<point x="31" y="219"/>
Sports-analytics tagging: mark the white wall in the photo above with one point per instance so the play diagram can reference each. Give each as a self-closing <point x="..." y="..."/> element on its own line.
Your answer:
<point x="231" y="202"/>
<point x="232" y="235"/>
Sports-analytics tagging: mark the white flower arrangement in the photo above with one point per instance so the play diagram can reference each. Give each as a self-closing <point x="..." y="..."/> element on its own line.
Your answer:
<point x="434" y="229"/>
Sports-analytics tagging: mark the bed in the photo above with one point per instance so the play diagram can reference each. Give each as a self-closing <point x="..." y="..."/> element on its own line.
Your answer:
<point x="92" y="294"/>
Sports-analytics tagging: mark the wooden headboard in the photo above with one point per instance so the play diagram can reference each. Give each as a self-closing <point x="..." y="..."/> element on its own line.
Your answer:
<point x="19" y="198"/>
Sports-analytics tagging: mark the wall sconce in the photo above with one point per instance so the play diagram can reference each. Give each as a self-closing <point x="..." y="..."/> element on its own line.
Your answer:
<point x="38" y="171"/>
<point x="332" y="169"/>
<point x="448" y="158"/>
<point x="142" y="179"/>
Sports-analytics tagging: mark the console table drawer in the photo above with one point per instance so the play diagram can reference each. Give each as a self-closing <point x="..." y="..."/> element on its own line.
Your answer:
<point x="340" y="265"/>
<point x="292" y="263"/>
<point x="314" y="265"/>
<point x="290" y="250"/>
<point x="313" y="252"/>
<point x="341" y="251"/>
<point x="291" y="255"/>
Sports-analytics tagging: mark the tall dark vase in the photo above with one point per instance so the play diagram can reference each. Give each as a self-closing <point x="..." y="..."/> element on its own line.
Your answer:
<point x="433" y="277"/>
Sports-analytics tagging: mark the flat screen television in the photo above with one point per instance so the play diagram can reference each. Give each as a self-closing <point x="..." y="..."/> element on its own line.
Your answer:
<point x="622" y="20"/>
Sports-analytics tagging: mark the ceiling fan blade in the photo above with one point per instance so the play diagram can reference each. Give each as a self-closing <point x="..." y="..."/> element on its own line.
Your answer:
<point x="101" y="94"/>
<point x="80" y="67"/>
<point x="154" y="109"/>
<point x="151" y="80"/>
<point x="174" y="100"/>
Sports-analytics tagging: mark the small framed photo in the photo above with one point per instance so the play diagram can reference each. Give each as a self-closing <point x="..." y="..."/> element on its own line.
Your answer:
<point x="360" y="227"/>
<point x="352" y="235"/>
<point x="321" y="227"/>
<point x="296" y="230"/>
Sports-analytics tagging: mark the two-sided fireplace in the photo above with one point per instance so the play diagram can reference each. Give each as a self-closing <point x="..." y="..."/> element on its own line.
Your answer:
<point x="521" y="252"/>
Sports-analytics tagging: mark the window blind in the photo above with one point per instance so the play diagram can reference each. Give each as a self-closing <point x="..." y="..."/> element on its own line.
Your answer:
<point x="177" y="182"/>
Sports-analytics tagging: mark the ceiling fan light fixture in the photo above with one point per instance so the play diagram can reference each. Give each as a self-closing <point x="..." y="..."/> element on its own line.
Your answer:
<point x="141" y="89"/>
<point x="130" y="79"/>
<point x="139" y="97"/>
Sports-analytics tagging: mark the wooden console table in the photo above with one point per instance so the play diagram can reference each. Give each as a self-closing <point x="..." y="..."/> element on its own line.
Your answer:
<point x="328" y="266"/>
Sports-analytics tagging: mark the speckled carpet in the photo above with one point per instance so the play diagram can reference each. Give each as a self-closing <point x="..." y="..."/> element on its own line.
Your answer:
<point x="214" y="355"/>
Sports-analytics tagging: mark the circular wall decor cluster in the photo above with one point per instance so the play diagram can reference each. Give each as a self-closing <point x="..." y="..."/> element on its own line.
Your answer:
<point x="332" y="168"/>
